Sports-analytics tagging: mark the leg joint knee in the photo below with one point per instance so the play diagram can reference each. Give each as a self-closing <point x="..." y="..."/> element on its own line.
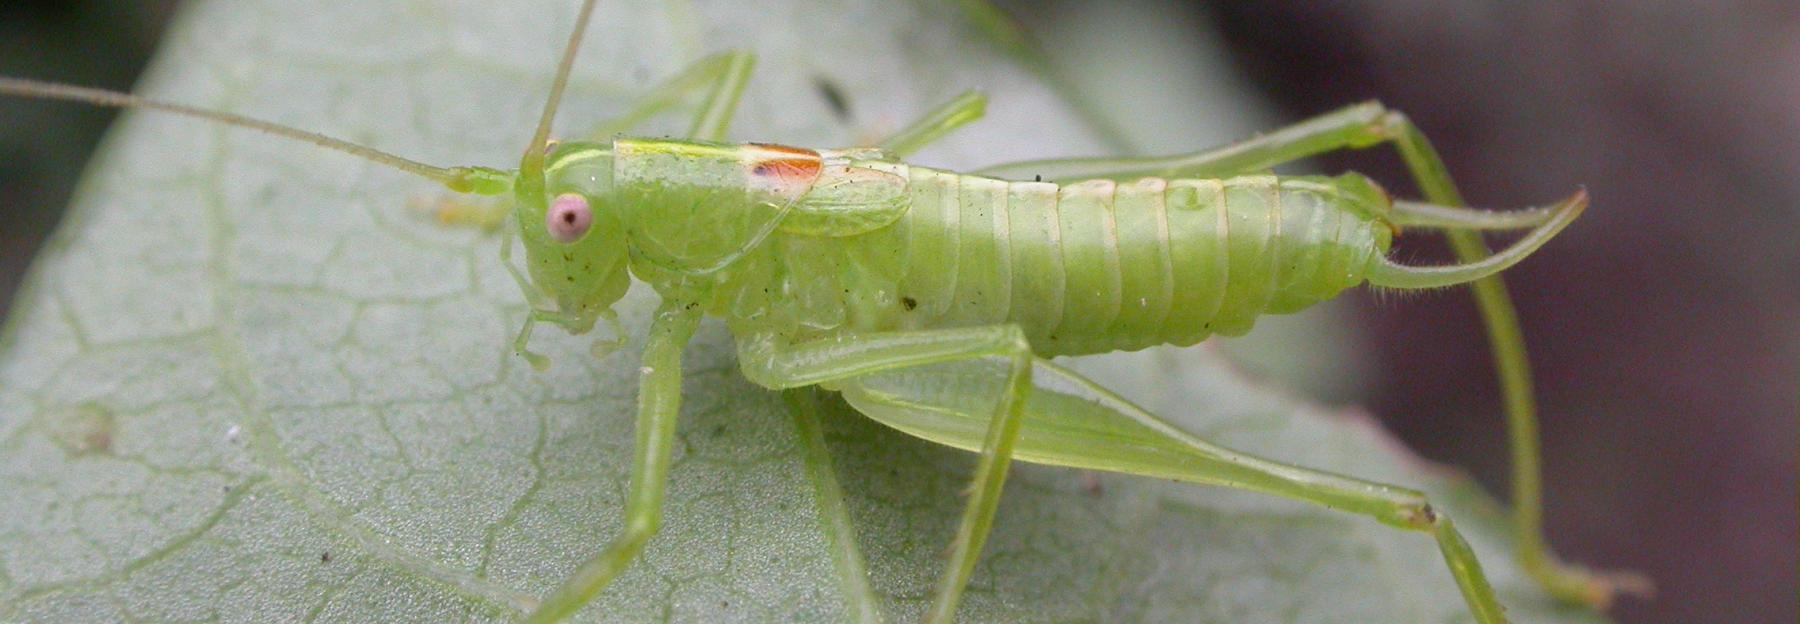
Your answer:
<point x="1423" y="516"/>
<point x="1414" y="513"/>
<point x="1394" y="124"/>
<point x="1419" y="516"/>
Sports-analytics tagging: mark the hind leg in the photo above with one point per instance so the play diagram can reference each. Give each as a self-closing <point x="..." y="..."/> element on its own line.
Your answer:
<point x="1368" y="125"/>
<point x="1071" y="421"/>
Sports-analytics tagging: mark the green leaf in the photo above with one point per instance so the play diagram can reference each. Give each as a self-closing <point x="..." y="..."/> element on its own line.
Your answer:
<point x="247" y="382"/>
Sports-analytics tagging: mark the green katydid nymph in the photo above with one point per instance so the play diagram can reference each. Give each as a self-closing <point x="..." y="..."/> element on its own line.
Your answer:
<point x="932" y="299"/>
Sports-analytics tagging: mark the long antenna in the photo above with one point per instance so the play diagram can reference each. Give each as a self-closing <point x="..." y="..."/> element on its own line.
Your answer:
<point x="461" y="179"/>
<point x="531" y="166"/>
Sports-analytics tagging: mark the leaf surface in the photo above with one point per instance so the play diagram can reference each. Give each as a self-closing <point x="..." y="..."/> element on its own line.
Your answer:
<point x="247" y="382"/>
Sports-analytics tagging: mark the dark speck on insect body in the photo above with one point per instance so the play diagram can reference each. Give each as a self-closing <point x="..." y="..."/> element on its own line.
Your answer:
<point x="1037" y="178"/>
<point x="909" y="303"/>
<point x="325" y="557"/>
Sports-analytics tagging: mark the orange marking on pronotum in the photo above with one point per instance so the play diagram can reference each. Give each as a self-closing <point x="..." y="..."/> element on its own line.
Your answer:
<point x="787" y="168"/>
<point x="784" y="162"/>
<point x="784" y="170"/>
<point x="787" y="150"/>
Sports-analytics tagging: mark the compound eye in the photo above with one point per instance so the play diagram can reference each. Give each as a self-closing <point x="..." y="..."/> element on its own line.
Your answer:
<point x="569" y="217"/>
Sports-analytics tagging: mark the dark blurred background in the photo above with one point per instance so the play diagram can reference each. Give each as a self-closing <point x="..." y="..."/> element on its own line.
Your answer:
<point x="1664" y="327"/>
<point x="44" y="145"/>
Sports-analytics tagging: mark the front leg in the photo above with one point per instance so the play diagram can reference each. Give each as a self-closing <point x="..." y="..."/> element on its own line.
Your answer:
<point x="776" y="363"/>
<point x="659" y="405"/>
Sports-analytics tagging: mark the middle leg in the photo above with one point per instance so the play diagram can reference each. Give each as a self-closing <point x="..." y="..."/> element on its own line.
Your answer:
<point x="933" y="125"/>
<point x="723" y="75"/>
<point x="853" y="578"/>
<point x="774" y="362"/>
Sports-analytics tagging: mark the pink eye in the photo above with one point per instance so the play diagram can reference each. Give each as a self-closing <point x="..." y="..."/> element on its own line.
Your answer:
<point x="569" y="217"/>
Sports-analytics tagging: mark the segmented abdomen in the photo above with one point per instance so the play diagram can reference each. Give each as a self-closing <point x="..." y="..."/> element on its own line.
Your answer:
<point x="1099" y="266"/>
